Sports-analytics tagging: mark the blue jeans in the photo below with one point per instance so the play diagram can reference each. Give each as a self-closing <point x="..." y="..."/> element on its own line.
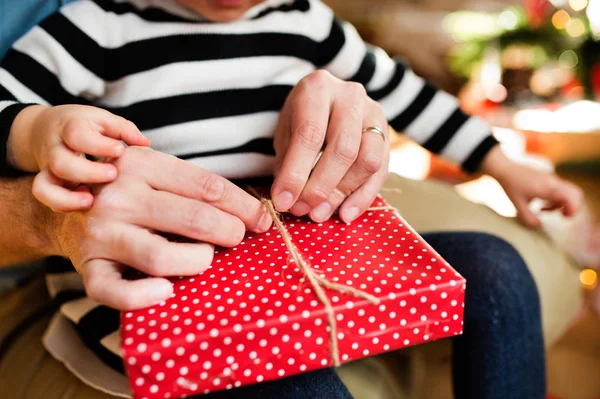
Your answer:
<point x="501" y="353"/>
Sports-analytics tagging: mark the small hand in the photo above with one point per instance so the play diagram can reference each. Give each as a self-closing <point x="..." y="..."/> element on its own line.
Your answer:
<point x="155" y="194"/>
<point x="523" y="184"/>
<point x="62" y="137"/>
<point x="326" y="114"/>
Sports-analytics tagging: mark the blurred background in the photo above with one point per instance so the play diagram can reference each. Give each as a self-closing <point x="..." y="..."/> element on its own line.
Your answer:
<point x="532" y="69"/>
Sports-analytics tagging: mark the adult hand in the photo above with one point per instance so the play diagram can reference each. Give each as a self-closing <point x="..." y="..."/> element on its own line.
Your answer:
<point x="326" y="114"/>
<point x="154" y="192"/>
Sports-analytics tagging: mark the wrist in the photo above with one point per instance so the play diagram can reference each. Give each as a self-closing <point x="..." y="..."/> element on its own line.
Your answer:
<point x="20" y="144"/>
<point x="496" y="164"/>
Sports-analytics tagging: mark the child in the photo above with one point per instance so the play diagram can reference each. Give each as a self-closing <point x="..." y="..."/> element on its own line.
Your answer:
<point x="205" y="80"/>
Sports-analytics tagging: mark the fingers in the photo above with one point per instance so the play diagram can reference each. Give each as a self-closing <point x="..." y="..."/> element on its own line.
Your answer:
<point x="191" y="218"/>
<point x="526" y="215"/>
<point x="119" y="128"/>
<point x="83" y="136"/>
<point x="153" y="254"/>
<point x="105" y="284"/>
<point x="569" y="197"/>
<point x="184" y="179"/>
<point x="308" y="126"/>
<point x="49" y="190"/>
<point x="362" y="198"/>
<point x="373" y="156"/>
<point x="343" y="142"/>
<point x="67" y="165"/>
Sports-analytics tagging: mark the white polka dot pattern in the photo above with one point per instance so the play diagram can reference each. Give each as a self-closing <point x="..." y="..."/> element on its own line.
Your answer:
<point x="252" y="317"/>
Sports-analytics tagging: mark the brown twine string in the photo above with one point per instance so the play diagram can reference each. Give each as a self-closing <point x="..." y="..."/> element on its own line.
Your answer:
<point x="317" y="282"/>
<point x="391" y="190"/>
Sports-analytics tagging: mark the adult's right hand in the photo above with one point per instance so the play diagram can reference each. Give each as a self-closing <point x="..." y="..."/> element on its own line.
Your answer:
<point x="154" y="192"/>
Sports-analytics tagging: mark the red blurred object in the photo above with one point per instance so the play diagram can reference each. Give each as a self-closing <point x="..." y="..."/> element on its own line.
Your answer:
<point x="595" y="80"/>
<point x="537" y="11"/>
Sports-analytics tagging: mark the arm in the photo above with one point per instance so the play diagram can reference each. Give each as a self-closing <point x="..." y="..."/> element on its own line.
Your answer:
<point x="434" y="119"/>
<point x="25" y="231"/>
<point x="429" y="116"/>
<point x="42" y="70"/>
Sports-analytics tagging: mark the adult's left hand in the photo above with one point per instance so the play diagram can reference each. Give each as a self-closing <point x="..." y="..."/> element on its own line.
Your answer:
<point x="328" y="115"/>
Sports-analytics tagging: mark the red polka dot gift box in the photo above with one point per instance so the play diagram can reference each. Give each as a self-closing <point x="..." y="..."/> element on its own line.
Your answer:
<point x="300" y="297"/>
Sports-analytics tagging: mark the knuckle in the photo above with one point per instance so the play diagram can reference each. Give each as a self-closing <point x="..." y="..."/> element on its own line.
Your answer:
<point x="319" y="77"/>
<point x="346" y="150"/>
<point x="94" y="288"/>
<point x="371" y="163"/>
<point x="96" y="233"/>
<point x="212" y="188"/>
<point x="293" y="181"/>
<point x="56" y="162"/>
<point x="198" y="220"/>
<point x="70" y="132"/>
<point x="356" y="90"/>
<point x="111" y="200"/>
<point x="134" y="157"/>
<point x="155" y="262"/>
<point x="130" y="125"/>
<point x="312" y="135"/>
<point x="318" y="195"/>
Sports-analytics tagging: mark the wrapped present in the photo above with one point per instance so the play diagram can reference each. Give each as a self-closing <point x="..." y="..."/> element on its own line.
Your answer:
<point x="300" y="297"/>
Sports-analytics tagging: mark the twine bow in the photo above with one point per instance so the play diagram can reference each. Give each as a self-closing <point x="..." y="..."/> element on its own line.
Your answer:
<point x="316" y="281"/>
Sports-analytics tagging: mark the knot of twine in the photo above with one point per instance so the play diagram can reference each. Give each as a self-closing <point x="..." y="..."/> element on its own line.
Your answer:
<point x="316" y="281"/>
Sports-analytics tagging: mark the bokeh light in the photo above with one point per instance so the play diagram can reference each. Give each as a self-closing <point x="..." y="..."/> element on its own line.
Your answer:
<point x="568" y="59"/>
<point x="578" y="5"/>
<point x="575" y="28"/>
<point x="508" y="19"/>
<point x="560" y="19"/>
<point x="588" y="278"/>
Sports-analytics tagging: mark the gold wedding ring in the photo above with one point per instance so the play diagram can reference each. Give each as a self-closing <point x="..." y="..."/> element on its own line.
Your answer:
<point x="376" y="130"/>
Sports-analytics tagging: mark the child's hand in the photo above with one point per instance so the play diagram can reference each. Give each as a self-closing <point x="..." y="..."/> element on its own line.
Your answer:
<point x="522" y="184"/>
<point x="60" y="139"/>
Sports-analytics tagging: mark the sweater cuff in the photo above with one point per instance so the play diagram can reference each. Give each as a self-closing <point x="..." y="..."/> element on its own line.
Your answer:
<point x="473" y="163"/>
<point x="7" y="117"/>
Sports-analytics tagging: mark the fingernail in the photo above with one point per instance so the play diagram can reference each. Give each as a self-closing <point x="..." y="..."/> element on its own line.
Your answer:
<point x="351" y="214"/>
<point x="119" y="150"/>
<point x="86" y="203"/>
<point x="111" y="174"/>
<point x="162" y="292"/>
<point x="322" y="212"/>
<point x="284" y="201"/>
<point x="300" y="208"/>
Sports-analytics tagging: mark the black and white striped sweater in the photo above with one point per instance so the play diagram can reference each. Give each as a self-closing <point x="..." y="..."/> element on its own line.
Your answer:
<point x="209" y="93"/>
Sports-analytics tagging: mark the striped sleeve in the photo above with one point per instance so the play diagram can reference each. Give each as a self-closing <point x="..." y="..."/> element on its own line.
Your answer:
<point x="429" y="116"/>
<point x="38" y="69"/>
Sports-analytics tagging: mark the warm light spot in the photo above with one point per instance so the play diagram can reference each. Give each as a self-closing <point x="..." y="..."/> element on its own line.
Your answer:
<point x="508" y="19"/>
<point x="497" y="93"/>
<point x="589" y="278"/>
<point x="568" y="59"/>
<point x="560" y="19"/>
<point x="578" y="5"/>
<point x="575" y="28"/>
